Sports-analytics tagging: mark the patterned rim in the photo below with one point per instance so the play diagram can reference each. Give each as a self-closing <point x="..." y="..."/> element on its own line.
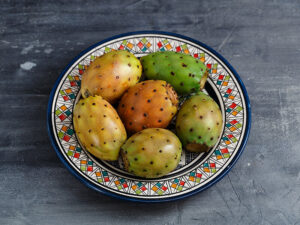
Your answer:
<point x="196" y="175"/>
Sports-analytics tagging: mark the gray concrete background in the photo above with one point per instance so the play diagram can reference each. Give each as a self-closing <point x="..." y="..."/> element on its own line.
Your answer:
<point x="261" y="39"/>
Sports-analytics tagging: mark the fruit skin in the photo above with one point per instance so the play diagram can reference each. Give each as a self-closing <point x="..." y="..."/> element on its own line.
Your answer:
<point x="99" y="128"/>
<point x="151" y="153"/>
<point x="148" y="104"/>
<point x="199" y="123"/>
<point x="185" y="73"/>
<point x="111" y="75"/>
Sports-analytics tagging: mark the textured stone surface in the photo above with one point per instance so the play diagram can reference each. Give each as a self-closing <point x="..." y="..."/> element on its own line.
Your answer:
<point x="259" y="38"/>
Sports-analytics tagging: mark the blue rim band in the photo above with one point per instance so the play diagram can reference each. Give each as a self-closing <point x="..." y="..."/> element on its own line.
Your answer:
<point x="103" y="191"/>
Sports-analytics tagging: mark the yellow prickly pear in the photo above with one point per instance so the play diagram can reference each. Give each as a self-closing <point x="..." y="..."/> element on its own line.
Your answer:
<point x="99" y="128"/>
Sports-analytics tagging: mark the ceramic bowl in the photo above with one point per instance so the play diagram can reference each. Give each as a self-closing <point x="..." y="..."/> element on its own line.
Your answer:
<point x="195" y="172"/>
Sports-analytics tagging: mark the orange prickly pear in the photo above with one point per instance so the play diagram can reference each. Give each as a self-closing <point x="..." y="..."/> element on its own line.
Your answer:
<point x="148" y="104"/>
<point x="111" y="75"/>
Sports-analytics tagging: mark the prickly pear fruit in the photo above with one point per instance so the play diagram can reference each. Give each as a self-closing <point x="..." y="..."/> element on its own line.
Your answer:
<point x="199" y="123"/>
<point x="185" y="73"/>
<point x="111" y="75"/>
<point x="148" y="104"/>
<point x="151" y="153"/>
<point x="99" y="128"/>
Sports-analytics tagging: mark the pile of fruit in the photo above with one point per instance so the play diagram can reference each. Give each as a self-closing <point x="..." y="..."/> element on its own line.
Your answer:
<point x="115" y="105"/>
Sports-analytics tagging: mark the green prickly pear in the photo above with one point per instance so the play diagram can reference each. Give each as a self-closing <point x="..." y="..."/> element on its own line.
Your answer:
<point x="199" y="123"/>
<point x="185" y="73"/>
<point x="151" y="153"/>
<point x="99" y="128"/>
<point x="111" y="75"/>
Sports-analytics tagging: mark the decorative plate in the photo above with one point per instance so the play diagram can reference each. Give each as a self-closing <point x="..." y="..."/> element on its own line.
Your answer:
<point x="195" y="172"/>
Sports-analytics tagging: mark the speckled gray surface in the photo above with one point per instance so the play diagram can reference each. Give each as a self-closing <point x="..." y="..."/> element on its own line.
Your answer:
<point x="261" y="39"/>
